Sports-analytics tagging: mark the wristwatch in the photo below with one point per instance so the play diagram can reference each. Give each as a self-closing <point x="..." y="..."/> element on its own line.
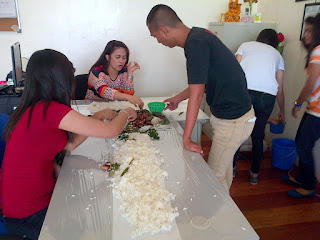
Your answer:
<point x="130" y="77"/>
<point x="297" y="105"/>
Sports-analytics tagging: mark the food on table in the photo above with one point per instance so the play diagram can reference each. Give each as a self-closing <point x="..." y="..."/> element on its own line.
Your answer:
<point x="114" y="105"/>
<point x="143" y="124"/>
<point x="155" y="120"/>
<point x="145" y="117"/>
<point x="139" y="183"/>
<point x="110" y="167"/>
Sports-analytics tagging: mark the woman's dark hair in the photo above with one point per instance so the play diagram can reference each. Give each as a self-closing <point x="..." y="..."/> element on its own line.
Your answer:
<point x="268" y="36"/>
<point x="49" y="77"/>
<point x="315" y="22"/>
<point x="109" y="49"/>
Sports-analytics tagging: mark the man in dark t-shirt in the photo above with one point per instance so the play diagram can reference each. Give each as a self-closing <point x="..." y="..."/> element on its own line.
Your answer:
<point x="214" y="70"/>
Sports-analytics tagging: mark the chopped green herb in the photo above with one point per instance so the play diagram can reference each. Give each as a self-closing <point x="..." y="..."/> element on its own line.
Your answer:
<point x="131" y="161"/>
<point x="153" y="134"/>
<point x="124" y="171"/>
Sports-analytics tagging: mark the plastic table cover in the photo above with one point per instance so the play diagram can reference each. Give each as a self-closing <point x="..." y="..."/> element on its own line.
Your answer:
<point x="178" y="114"/>
<point x="83" y="205"/>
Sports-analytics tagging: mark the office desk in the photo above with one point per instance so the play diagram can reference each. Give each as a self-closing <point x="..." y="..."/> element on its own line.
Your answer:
<point x="83" y="206"/>
<point x="178" y="114"/>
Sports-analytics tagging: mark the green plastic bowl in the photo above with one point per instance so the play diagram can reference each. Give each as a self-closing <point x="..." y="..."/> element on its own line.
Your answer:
<point x="156" y="107"/>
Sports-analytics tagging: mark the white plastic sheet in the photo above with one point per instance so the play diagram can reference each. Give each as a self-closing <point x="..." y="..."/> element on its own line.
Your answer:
<point x="83" y="206"/>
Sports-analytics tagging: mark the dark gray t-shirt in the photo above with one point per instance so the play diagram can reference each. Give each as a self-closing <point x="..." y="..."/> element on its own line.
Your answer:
<point x="211" y="63"/>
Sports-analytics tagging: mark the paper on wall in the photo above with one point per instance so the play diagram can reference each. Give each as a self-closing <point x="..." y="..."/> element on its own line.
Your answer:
<point x="7" y="9"/>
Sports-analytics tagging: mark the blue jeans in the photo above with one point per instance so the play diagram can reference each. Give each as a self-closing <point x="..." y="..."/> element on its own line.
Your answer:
<point x="307" y="135"/>
<point x="263" y="104"/>
<point x="29" y="226"/>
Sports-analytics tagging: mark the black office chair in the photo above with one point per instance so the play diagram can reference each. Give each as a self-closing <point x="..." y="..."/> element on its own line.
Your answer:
<point x="81" y="86"/>
<point x="12" y="237"/>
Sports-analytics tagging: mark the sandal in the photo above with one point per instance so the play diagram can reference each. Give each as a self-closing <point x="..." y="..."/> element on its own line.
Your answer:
<point x="296" y="194"/>
<point x="291" y="180"/>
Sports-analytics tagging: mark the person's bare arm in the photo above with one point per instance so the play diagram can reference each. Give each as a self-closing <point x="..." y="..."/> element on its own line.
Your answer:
<point x="280" y="95"/>
<point x="82" y="126"/>
<point x="308" y="87"/>
<point x="173" y="102"/>
<point x="196" y="93"/>
<point x="136" y="101"/>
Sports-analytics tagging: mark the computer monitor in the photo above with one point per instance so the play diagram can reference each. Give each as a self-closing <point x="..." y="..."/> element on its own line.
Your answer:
<point x="16" y="64"/>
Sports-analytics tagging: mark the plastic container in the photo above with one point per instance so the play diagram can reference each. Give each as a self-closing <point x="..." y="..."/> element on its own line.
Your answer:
<point x="283" y="153"/>
<point x="277" y="128"/>
<point x="156" y="107"/>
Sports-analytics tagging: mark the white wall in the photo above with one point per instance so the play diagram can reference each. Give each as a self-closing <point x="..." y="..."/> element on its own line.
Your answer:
<point x="80" y="29"/>
<point x="288" y="14"/>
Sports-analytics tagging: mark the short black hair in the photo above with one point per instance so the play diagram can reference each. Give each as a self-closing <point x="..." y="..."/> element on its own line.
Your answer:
<point x="162" y="15"/>
<point x="269" y="36"/>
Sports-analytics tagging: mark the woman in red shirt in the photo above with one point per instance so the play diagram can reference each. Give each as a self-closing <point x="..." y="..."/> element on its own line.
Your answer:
<point x="43" y="125"/>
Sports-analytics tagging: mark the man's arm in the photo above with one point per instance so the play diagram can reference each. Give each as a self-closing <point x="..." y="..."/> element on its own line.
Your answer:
<point x="173" y="102"/>
<point x="195" y="97"/>
<point x="280" y="94"/>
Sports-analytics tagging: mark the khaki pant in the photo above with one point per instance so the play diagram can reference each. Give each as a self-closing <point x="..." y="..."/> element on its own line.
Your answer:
<point x="228" y="135"/>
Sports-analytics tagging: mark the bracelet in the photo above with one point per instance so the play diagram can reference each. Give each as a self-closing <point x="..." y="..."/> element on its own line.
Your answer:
<point x="125" y="112"/>
<point x="130" y="77"/>
<point x="297" y="105"/>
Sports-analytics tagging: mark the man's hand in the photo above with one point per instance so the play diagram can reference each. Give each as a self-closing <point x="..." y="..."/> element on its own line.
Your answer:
<point x="173" y="103"/>
<point x="282" y="117"/>
<point x="192" y="146"/>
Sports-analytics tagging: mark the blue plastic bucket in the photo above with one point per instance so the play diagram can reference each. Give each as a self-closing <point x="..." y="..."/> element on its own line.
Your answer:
<point x="276" y="128"/>
<point x="283" y="153"/>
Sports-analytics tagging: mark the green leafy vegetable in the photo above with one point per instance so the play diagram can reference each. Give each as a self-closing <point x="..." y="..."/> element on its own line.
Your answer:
<point x="153" y="134"/>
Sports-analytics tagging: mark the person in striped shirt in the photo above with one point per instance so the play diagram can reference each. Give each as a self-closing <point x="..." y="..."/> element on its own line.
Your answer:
<point x="309" y="129"/>
<point x="111" y="77"/>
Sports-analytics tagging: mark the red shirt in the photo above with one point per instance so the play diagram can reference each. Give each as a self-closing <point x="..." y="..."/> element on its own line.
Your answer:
<point x="27" y="180"/>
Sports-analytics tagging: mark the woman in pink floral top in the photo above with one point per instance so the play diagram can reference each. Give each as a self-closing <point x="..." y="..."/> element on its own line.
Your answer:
<point x="111" y="77"/>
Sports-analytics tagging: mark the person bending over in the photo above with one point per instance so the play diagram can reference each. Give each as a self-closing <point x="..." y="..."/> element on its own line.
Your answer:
<point x="211" y="68"/>
<point x="264" y="69"/>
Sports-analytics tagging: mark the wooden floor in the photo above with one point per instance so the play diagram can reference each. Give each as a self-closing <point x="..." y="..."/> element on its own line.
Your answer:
<point x="266" y="205"/>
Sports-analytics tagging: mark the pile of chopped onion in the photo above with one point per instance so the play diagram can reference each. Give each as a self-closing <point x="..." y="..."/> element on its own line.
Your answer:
<point x="139" y="183"/>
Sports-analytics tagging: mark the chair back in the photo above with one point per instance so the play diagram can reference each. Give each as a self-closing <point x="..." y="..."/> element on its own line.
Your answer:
<point x="81" y="86"/>
<point x="4" y="118"/>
